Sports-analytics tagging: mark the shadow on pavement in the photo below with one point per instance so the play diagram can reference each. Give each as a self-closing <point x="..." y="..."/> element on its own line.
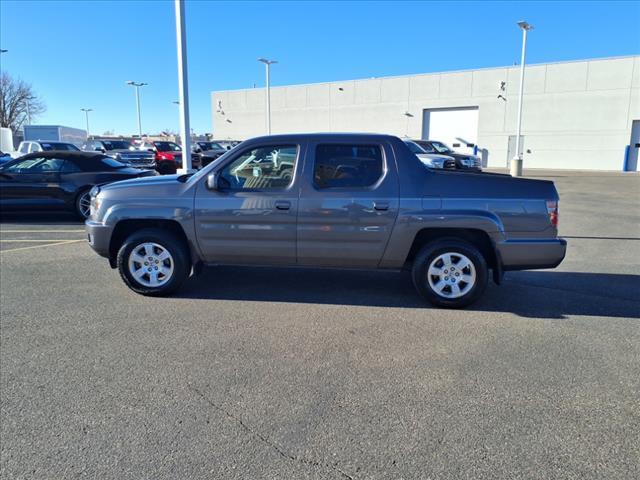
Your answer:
<point x="40" y="218"/>
<point x="532" y="294"/>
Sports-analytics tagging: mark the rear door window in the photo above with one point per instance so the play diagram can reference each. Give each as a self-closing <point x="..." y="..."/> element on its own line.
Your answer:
<point x="347" y="166"/>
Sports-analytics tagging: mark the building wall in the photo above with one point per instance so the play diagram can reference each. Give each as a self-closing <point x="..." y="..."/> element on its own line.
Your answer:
<point x="577" y="115"/>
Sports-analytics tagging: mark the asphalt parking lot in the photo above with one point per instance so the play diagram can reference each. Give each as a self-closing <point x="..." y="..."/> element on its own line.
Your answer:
<point x="254" y="373"/>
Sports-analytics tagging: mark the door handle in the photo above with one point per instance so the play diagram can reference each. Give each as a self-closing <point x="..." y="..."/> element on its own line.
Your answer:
<point x="381" y="206"/>
<point x="283" y="205"/>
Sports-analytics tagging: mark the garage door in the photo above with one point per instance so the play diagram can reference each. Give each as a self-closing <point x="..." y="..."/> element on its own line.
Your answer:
<point x="457" y="127"/>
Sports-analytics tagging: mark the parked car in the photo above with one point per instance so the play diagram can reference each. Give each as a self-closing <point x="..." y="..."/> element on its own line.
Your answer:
<point x="228" y="144"/>
<point x="431" y="160"/>
<point x="59" y="180"/>
<point x="463" y="161"/>
<point x="330" y="200"/>
<point x="168" y="156"/>
<point x="123" y="151"/>
<point x="207" y="152"/>
<point x="31" y="146"/>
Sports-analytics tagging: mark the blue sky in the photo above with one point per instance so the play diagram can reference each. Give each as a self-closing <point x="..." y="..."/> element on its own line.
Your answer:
<point x="79" y="54"/>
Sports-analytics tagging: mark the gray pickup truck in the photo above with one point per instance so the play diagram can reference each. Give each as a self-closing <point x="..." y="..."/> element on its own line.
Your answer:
<point x="328" y="200"/>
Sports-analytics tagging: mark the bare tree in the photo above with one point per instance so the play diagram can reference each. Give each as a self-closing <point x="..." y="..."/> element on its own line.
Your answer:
<point x="18" y="102"/>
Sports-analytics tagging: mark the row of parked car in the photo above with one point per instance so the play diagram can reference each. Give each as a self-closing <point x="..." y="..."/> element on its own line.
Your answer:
<point x="163" y="156"/>
<point x="60" y="175"/>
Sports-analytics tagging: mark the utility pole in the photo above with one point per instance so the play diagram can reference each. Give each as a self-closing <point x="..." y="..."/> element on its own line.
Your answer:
<point x="516" y="161"/>
<point x="268" y="64"/>
<point x="137" y="85"/>
<point x="86" y="113"/>
<point x="183" y="87"/>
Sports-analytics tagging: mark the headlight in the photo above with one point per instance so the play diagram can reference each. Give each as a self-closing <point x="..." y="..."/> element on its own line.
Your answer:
<point x="434" y="162"/>
<point x="95" y="200"/>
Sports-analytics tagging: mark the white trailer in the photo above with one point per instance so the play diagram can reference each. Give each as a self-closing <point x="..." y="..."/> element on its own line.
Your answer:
<point x="55" y="133"/>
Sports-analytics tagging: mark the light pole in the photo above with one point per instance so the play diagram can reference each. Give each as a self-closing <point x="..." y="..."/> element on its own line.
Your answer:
<point x="267" y="64"/>
<point x="183" y="86"/>
<point x="138" y="85"/>
<point x="86" y="114"/>
<point x="516" y="161"/>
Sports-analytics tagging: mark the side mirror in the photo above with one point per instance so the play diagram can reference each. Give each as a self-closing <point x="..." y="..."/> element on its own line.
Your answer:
<point x="212" y="181"/>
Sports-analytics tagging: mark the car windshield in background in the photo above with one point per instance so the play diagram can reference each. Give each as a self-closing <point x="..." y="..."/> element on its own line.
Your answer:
<point x="441" y="147"/>
<point x="58" y="146"/>
<point x="112" y="163"/>
<point x="210" y="146"/>
<point x="414" y="147"/>
<point x="116" y="145"/>
<point x="167" y="147"/>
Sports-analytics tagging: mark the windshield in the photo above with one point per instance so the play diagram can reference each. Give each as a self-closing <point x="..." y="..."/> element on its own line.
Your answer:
<point x="414" y="147"/>
<point x="116" y="145"/>
<point x="58" y="146"/>
<point x="210" y="146"/>
<point x="167" y="147"/>
<point x="441" y="147"/>
<point x="113" y="163"/>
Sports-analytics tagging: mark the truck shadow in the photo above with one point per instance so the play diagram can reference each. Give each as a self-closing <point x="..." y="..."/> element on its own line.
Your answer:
<point x="531" y="294"/>
<point x="40" y="218"/>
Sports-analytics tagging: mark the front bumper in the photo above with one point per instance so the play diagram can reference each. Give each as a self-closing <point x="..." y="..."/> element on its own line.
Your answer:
<point x="99" y="237"/>
<point x="531" y="254"/>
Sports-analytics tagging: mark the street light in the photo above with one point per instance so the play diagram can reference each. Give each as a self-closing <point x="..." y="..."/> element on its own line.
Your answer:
<point x="138" y="85"/>
<point x="516" y="161"/>
<point x="2" y="50"/>
<point x="267" y="64"/>
<point x="86" y="114"/>
<point x="183" y="86"/>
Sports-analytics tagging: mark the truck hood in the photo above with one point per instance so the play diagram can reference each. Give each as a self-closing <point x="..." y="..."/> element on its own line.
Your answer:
<point x="143" y="182"/>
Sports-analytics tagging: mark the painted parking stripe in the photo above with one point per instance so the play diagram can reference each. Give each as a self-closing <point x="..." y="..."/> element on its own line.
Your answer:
<point x="41" y="231"/>
<point x="65" y="242"/>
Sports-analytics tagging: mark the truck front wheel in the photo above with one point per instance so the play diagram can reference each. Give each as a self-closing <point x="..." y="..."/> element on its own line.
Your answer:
<point x="450" y="273"/>
<point x="153" y="262"/>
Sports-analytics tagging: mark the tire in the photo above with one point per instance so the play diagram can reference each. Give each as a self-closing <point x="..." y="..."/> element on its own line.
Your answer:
<point x="450" y="273"/>
<point x="166" y="169"/>
<point x="83" y="204"/>
<point x="164" y="274"/>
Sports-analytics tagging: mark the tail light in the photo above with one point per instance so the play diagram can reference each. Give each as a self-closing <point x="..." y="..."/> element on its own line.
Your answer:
<point x="552" y="210"/>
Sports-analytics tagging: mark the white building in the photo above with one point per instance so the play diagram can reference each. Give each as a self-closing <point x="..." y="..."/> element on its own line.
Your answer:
<point x="577" y="115"/>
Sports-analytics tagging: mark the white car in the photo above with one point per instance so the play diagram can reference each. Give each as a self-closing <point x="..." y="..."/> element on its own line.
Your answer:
<point x="431" y="160"/>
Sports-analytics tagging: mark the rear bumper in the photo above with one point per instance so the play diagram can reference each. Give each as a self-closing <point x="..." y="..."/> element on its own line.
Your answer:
<point x="99" y="237"/>
<point x="531" y="254"/>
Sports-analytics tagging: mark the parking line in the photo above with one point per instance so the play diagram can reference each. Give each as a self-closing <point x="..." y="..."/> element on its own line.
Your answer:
<point x="66" y="242"/>
<point x="30" y="240"/>
<point x="41" y="231"/>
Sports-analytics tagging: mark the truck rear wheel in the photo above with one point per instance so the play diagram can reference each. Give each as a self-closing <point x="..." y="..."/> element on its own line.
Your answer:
<point x="450" y="273"/>
<point x="153" y="262"/>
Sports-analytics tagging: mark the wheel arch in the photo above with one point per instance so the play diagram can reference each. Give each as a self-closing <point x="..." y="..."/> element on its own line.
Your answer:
<point x="477" y="237"/>
<point x="124" y="228"/>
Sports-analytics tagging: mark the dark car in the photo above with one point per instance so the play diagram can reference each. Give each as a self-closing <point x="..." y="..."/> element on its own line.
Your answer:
<point x="59" y="180"/>
<point x="207" y="152"/>
<point x="463" y="161"/>
<point x="123" y="151"/>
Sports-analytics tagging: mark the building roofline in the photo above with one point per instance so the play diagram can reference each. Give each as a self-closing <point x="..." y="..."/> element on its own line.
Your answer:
<point x="619" y="57"/>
